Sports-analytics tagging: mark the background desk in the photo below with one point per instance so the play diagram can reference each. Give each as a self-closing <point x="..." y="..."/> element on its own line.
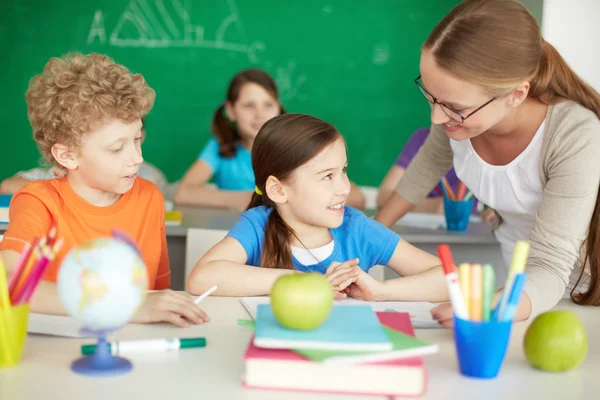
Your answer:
<point x="477" y="244"/>
<point x="215" y="372"/>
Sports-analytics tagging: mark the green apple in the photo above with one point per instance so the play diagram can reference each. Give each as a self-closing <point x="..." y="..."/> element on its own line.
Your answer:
<point x="301" y="301"/>
<point x="555" y="341"/>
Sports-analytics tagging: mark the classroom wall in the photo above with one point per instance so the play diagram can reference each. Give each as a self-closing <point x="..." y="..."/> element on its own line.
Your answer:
<point x="536" y="8"/>
<point x="573" y="28"/>
<point x="351" y="63"/>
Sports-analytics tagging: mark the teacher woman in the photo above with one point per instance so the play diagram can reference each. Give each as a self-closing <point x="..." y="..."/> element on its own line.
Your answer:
<point x="523" y="133"/>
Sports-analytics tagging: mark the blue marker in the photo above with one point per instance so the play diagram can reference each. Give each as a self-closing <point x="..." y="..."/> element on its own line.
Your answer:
<point x="515" y="296"/>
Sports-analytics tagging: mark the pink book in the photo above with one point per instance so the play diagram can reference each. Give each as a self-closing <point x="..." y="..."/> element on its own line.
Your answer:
<point x="287" y="370"/>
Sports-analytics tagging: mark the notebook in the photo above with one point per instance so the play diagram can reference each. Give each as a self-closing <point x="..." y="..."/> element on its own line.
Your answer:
<point x="4" y="203"/>
<point x="287" y="370"/>
<point x="397" y="327"/>
<point x="173" y="218"/>
<point x="420" y="314"/>
<point x="351" y="328"/>
<point x="54" y="325"/>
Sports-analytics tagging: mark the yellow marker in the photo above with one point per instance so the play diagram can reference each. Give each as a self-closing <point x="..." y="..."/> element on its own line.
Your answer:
<point x="517" y="266"/>
<point x="464" y="275"/>
<point x="476" y="293"/>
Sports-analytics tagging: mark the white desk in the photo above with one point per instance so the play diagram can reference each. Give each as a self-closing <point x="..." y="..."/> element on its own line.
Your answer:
<point x="215" y="372"/>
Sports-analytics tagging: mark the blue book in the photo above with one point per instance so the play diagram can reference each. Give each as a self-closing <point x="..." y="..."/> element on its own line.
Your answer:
<point x="350" y="328"/>
<point x="5" y="200"/>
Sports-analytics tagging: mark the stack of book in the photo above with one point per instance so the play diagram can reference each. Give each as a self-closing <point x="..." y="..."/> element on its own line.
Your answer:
<point x="355" y="351"/>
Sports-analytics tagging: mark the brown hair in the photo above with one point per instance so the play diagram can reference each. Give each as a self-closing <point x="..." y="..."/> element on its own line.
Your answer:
<point x="76" y="93"/>
<point x="222" y="127"/>
<point x="283" y="144"/>
<point x="498" y="44"/>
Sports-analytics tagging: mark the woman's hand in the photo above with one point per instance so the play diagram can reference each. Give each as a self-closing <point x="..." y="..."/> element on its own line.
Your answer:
<point x="443" y="315"/>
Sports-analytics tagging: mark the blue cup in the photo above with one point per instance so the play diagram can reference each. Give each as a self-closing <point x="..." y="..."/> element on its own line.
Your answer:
<point x="481" y="346"/>
<point x="458" y="213"/>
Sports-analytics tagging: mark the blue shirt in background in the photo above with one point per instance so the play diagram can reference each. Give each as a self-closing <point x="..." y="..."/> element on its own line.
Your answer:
<point x="358" y="237"/>
<point x="233" y="173"/>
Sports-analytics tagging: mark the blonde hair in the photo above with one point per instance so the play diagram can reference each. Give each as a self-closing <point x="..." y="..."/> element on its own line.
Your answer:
<point x="497" y="44"/>
<point x="76" y="94"/>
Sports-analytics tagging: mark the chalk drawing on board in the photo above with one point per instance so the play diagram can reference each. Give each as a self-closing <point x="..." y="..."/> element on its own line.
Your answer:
<point x="97" y="29"/>
<point x="289" y="83"/>
<point x="381" y="54"/>
<point x="167" y="23"/>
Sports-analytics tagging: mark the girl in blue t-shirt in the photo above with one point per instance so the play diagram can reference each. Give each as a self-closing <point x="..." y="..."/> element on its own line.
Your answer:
<point x="298" y="221"/>
<point x="252" y="100"/>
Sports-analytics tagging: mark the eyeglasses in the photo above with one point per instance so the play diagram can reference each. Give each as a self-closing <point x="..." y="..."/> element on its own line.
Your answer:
<point x="449" y="111"/>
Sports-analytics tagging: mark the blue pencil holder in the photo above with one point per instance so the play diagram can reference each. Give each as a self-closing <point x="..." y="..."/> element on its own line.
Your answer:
<point x="481" y="346"/>
<point x="458" y="213"/>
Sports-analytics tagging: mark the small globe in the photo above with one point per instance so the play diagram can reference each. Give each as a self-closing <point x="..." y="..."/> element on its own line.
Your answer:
<point x="102" y="283"/>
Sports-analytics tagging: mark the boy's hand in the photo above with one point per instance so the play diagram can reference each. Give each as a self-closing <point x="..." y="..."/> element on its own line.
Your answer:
<point x="178" y="308"/>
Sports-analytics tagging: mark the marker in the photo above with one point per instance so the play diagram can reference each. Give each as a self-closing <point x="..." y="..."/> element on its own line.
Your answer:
<point x="517" y="266"/>
<point x="456" y="296"/>
<point x="489" y="286"/>
<point x="515" y="296"/>
<point x="476" y="291"/>
<point x="145" y="346"/>
<point x="464" y="275"/>
<point x="205" y="294"/>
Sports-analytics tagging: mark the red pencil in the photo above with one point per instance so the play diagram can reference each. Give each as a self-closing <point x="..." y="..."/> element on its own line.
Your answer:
<point x="48" y="255"/>
<point x="25" y="254"/>
<point x="460" y="191"/>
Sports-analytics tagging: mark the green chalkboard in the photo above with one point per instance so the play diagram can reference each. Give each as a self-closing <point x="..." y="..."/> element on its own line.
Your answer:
<point x="351" y="63"/>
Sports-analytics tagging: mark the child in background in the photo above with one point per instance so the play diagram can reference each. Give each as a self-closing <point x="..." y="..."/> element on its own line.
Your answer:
<point x="434" y="203"/>
<point x="298" y="221"/>
<point x="20" y="179"/>
<point x="86" y="113"/>
<point x="252" y="100"/>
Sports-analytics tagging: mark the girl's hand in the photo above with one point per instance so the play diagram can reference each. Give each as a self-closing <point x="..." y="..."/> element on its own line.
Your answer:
<point x="365" y="287"/>
<point x="443" y="315"/>
<point x="341" y="275"/>
<point x="176" y="308"/>
<point x="491" y="217"/>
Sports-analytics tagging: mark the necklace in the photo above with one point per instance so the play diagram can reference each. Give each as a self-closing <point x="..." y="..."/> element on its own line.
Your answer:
<point x="309" y="252"/>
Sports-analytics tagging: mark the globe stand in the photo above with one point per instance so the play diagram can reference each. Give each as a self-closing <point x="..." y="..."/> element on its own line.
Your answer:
<point x="101" y="363"/>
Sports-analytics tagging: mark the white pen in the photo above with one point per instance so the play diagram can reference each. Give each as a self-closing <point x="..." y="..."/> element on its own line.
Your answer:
<point x="205" y="294"/>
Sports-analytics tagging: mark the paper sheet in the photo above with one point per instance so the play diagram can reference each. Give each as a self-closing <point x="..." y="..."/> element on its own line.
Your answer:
<point x="418" y="311"/>
<point x="54" y="325"/>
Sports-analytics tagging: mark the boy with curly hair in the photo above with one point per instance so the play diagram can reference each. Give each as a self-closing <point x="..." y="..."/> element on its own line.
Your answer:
<point x="86" y="113"/>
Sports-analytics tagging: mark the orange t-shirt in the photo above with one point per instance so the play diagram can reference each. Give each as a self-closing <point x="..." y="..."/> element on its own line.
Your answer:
<point x="140" y="213"/>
